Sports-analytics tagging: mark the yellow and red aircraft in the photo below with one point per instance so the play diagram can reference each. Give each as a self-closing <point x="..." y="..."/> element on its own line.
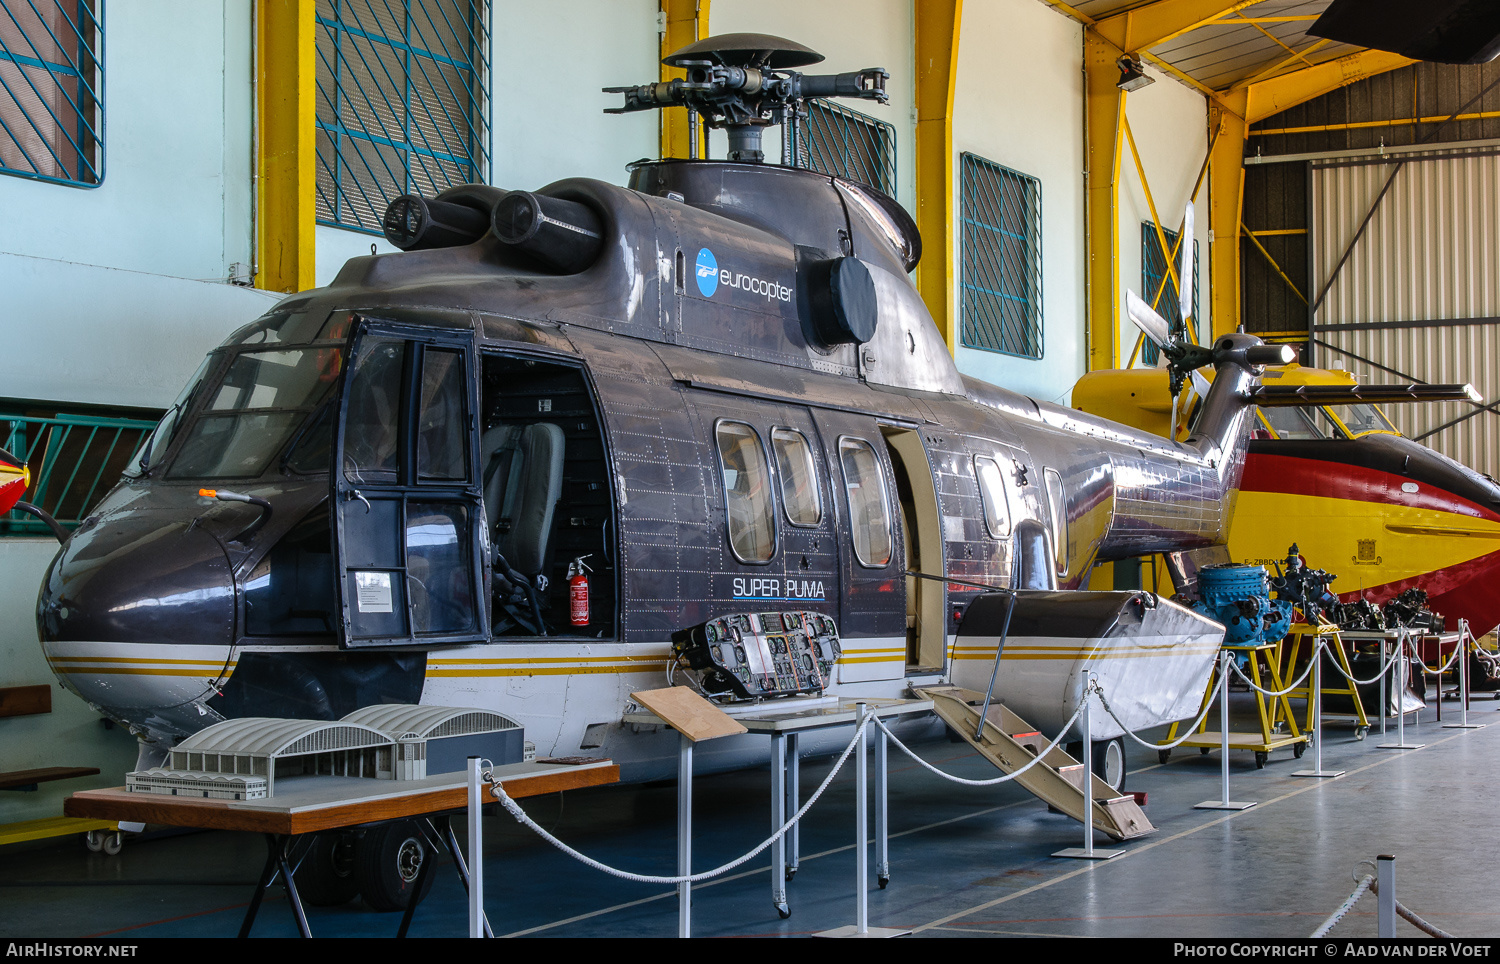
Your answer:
<point x="1381" y="511"/>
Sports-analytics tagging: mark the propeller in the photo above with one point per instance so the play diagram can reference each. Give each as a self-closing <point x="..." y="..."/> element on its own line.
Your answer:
<point x="1183" y="358"/>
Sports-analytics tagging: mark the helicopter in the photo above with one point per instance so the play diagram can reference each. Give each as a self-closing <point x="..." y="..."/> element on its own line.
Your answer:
<point x="509" y="465"/>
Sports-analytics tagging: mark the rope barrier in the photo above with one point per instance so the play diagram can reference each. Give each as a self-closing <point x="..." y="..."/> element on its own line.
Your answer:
<point x="1295" y="684"/>
<point x="1192" y="729"/>
<point x="1414" y="920"/>
<point x="514" y="809"/>
<point x="1365" y="883"/>
<point x="1390" y="661"/>
<point x="1368" y="884"/>
<point x="1417" y="658"/>
<point x="1004" y="777"/>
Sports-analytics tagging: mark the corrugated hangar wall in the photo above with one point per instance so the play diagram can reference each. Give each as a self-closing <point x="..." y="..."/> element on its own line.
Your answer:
<point x="1384" y="255"/>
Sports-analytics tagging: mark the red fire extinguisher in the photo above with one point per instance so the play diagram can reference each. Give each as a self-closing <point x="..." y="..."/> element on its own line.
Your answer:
<point x="578" y="591"/>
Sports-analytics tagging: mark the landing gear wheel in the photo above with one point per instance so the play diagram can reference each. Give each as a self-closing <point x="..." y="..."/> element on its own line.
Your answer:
<point x="882" y="881"/>
<point x="326" y="876"/>
<point x="1109" y="762"/>
<point x="1298" y="750"/>
<point x="783" y="910"/>
<point x="1261" y="756"/>
<point x="1162" y="756"/>
<point x="791" y="872"/>
<point x="387" y="864"/>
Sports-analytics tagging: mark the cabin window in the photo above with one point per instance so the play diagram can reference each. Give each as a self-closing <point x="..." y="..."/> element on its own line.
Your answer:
<point x="251" y="411"/>
<point x="402" y="103"/>
<point x="1058" y="501"/>
<point x="835" y="140"/>
<point x="992" y="496"/>
<point x="747" y="492"/>
<point x="1000" y="279"/>
<point x="1291" y="423"/>
<point x="442" y="439"/>
<point x="52" y="90"/>
<point x="869" y="507"/>
<point x="799" y="477"/>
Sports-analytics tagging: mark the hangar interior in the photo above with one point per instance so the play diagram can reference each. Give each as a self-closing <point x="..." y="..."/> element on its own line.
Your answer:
<point x="172" y="170"/>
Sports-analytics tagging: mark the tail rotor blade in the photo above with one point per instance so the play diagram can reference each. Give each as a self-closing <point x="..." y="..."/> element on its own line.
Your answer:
<point x="1147" y="320"/>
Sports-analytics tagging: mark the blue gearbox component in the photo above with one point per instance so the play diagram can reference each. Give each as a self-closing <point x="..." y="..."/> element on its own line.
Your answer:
<point x="1239" y="597"/>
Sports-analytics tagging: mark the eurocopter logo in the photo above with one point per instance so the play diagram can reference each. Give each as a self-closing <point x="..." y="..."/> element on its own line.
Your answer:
<point x="708" y="273"/>
<point x="710" y="277"/>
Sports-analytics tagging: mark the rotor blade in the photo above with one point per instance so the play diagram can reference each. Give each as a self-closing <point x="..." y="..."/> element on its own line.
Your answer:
<point x="1147" y="320"/>
<point x="1292" y="395"/>
<point x="1200" y="384"/>
<point x="1185" y="266"/>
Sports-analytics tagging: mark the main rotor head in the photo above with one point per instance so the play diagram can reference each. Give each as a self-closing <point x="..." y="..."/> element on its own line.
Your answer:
<point x="741" y="82"/>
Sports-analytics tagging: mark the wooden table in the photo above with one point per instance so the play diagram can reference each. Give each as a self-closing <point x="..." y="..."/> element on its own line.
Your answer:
<point x="312" y="804"/>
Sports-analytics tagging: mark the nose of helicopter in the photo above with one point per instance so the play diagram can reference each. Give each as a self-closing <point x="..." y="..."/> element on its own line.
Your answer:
<point x="137" y="617"/>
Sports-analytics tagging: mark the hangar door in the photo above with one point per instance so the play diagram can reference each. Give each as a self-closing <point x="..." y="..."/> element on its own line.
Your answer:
<point x="1404" y="286"/>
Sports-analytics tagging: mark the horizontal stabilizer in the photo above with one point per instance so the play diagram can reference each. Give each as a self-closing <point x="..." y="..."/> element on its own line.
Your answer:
<point x="1288" y="395"/>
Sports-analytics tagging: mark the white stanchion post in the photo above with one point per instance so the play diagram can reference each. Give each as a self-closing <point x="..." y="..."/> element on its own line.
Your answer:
<point x="1403" y="653"/>
<point x="1385" y="877"/>
<point x="1224" y="803"/>
<point x="684" y="835"/>
<point x="1464" y="638"/>
<point x="1384" y="695"/>
<point x="1087" y="851"/>
<point x="862" y="826"/>
<point x="862" y="926"/>
<point x="1315" y="699"/>
<point x="476" y="853"/>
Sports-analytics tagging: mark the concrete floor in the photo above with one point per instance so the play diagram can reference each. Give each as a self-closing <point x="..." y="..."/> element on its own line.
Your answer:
<point x="965" y="861"/>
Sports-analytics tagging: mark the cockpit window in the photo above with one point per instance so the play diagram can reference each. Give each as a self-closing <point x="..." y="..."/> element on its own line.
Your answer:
<point x="155" y="446"/>
<point x="1357" y="420"/>
<point x="291" y="328"/>
<point x="1292" y="423"/>
<point x="250" y="412"/>
<point x="372" y="429"/>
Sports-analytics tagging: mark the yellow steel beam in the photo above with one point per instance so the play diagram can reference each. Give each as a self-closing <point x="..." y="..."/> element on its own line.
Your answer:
<point x="1390" y="122"/>
<point x="1156" y="23"/>
<point x="286" y="145"/>
<point x="1161" y="235"/>
<point x="685" y="21"/>
<point x="1226" y="185"/>
<point x="1104" y="119"/>
<point x="1275" y="68"/>
<point x="937" y="27"/>
<point x="1276" y="94"/>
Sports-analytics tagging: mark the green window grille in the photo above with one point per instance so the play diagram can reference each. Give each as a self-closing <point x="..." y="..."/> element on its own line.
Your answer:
<point x="51" y="90"/>
<point x="1153" y="270"/>
<point x="1000" y="279"/>
<point x="403" y="103"/>
<point x="74" y="461"/>
<point x="835" y="140"/>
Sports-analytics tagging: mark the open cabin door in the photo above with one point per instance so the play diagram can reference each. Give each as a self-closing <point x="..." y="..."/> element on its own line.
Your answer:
<point x="408" y="531"/>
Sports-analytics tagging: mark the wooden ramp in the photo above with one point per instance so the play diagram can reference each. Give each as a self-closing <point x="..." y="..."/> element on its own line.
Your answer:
<point x="1009" y="743"/>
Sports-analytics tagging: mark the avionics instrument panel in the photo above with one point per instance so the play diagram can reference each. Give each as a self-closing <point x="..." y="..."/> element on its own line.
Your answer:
<point x="762" y="654"/>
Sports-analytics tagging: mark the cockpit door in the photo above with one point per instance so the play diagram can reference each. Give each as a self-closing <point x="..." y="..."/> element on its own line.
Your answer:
<point x="408" y="528"/>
